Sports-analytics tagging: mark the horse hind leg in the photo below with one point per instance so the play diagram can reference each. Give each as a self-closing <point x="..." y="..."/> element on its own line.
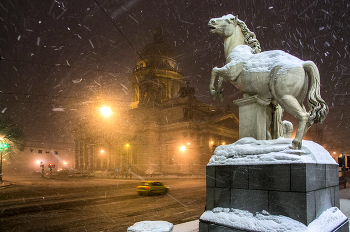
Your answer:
<point x="290" y="104"/>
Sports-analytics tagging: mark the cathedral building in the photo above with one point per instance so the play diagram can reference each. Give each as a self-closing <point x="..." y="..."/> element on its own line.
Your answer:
<point x="167" y="130"/>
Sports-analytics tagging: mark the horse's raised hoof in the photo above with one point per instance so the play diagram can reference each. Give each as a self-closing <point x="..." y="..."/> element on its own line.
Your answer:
<point x="295" y="145"/>
<point x="213" y="94"/>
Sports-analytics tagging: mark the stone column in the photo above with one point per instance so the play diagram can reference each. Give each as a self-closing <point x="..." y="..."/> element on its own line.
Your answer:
<point x="252" y="117"/>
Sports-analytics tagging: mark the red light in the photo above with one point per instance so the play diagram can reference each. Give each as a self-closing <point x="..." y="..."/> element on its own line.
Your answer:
<point x="147" y="187"/>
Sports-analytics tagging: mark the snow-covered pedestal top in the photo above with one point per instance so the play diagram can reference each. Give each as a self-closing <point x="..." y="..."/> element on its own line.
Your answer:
<point x="250" y="151"/>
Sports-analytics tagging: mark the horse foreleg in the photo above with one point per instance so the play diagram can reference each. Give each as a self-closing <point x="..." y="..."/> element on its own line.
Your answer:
<point x="228" y="72"/>
<point x="219" y="89"/>
<point x="211" y="84"/>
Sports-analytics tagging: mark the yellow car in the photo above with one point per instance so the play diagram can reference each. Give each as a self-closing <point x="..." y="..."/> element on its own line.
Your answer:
<point x="151" y="187"/>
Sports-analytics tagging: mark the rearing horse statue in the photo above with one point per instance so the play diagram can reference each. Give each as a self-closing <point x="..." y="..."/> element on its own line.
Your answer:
<point x="273" y="75"/>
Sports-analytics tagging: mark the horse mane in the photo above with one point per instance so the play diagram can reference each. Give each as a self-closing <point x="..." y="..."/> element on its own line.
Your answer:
<point x="249" y="36"/>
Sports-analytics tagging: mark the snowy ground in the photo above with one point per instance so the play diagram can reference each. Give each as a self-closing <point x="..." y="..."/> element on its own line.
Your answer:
<point x="193" y="226"/>
<point x="345" y="207"/>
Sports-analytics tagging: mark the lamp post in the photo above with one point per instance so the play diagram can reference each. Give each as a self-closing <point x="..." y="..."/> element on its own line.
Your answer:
<point x="127" y="155"/>
<point x="42" y="169"/>
<point x="106" y="112"/>
<point x="102" y="151"/>
<point x="186" y="161"/>
<point x="127" y="161"/>
<point x="3" y="146"/>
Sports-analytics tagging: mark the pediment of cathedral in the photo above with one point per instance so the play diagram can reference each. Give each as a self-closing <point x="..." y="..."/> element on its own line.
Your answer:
<point x="229" y="121"/>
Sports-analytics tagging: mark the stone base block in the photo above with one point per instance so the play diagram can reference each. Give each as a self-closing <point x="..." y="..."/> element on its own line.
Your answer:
<point x="210" y="227"/>
<point x="300" y="191"/>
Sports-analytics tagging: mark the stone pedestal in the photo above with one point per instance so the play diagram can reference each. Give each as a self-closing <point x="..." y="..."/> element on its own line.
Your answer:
<point x="252" y="117"/>
<point x="301" y="191"/>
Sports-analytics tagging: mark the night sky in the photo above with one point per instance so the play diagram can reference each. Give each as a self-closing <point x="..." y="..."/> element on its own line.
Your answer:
<point x="61" y="56"/>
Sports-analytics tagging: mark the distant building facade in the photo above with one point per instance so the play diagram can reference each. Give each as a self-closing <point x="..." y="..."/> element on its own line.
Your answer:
<point x="166" y="131"/>
<point x="29" y="159"/>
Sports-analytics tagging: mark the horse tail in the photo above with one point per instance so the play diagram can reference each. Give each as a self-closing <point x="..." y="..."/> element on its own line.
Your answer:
<point x="318" y="107"/>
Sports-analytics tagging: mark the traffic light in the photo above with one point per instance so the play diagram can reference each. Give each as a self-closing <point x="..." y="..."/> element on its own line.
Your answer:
<point x="50" y="166"/>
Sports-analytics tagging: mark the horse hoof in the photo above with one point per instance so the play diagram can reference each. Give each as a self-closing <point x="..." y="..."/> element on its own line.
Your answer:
<point x="213" y="94"/>
<point x="292" y="147"/>
<point x="295" y="145"/>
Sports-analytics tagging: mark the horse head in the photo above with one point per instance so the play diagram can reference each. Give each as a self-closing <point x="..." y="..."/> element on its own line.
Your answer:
<point x="224" y="26"/>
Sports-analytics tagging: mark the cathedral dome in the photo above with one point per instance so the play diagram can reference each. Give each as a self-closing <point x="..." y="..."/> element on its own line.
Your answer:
<point x="157" y="48"/>
<point x="157" y="56"/>
<point x="157" y="77"/>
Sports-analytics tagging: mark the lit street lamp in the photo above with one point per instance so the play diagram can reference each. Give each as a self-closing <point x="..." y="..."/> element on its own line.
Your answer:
<point x="3" y="146"/>
<point x="129" y="158"/>
<point x="105" y="111"/>
<point x="186" y="161"/>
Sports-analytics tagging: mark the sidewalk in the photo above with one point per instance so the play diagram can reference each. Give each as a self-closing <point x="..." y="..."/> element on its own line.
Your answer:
<point x="192" y="226"/>
<point x="344" y="197"/>
<point x="5" y="184"/>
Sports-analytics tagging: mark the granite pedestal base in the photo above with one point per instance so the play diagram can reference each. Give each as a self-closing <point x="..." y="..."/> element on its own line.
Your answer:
<point x="301" y="191"/>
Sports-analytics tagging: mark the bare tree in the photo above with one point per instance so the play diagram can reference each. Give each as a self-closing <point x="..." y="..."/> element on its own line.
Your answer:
<point x="12" y="134"/>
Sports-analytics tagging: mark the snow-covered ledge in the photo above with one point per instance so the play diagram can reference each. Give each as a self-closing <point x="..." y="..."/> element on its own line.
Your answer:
<point x="328" y="221"/>
<point x="249" y="151"/>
